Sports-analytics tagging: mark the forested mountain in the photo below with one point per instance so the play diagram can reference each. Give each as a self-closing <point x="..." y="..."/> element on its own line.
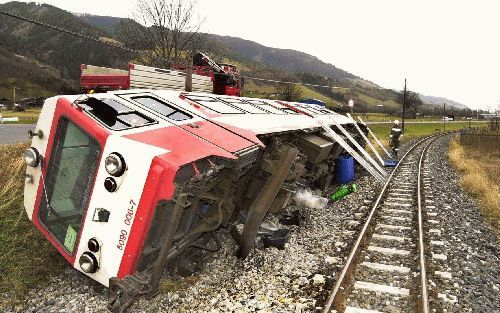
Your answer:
<point x="439" y="101"/>
<point x="286" y="59"/>
<point x="107" y="24"/>
<point x="62" y="51"/>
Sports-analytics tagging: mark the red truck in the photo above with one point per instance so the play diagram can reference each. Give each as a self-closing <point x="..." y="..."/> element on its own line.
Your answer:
<point x="207" y="76"/>
<point x="225" y="77"/>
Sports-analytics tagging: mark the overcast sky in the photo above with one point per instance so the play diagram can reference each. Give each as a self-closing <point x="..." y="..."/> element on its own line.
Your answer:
<point x="446" y="48"/>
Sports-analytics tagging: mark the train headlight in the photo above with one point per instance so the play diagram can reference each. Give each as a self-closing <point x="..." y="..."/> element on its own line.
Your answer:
<point x="88" y="263"/>
<point x="115" y="164"/>
<point x="32" y="157"/>
<point x="110" y="184"/>
<point x="93" y="245"/>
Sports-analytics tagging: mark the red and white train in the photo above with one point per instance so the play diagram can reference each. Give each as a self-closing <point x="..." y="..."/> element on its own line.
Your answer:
<point x="129" y="182"/>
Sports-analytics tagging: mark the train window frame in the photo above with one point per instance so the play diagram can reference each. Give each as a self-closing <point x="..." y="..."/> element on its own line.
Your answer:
<point x="43" y="211"/>
<point x="263" y="104"/>
<point x="322" y="110"/>
<point x="202" y="100"/>
<point x="89" y="110"/>
<point x="305" y="108"/>
<point x="175" y="110"/>
<point x="248" y="104"/>
<point x="313" y="109"/>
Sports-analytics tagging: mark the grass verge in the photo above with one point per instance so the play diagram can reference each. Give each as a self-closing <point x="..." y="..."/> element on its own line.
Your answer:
<point x="30" y="116"/>
<point x="27" y="260"/>
<point x="479" y="172"/>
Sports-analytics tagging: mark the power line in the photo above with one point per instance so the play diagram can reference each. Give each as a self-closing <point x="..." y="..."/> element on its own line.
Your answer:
<point x="84" y="36"/>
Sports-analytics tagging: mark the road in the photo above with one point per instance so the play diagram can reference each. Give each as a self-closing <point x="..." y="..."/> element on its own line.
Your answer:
<point x="423" y="122"/>
<point x="12" y="133"/>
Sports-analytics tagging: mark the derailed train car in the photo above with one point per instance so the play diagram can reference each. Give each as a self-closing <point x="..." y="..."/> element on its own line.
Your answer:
<point x="125" y="183"/>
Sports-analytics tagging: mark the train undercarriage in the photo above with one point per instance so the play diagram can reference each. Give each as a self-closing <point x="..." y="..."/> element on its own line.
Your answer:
<point x="216" y="192"/>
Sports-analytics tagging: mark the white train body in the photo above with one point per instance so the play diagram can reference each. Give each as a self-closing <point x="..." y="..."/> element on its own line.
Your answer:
<point x="124" y="183"/>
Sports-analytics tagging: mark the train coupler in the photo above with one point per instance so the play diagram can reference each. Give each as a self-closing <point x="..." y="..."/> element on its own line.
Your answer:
<point x="123" y="292"/>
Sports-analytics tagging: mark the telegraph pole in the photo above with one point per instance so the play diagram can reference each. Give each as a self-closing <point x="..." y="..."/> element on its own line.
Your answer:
<point x="14" y="95"/>
<point x="444" y="116"/>
<point x="404" y="105"/>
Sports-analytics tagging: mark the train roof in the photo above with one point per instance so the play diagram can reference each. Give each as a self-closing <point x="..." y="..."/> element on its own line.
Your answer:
<point x="260" y="116"/>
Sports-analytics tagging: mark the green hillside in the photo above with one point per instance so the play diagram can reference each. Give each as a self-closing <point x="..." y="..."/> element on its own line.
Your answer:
<point x="30" y="77"/>
<point x="62" y="51"/>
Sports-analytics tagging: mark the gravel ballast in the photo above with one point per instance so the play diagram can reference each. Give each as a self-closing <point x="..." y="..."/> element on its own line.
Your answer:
<point x="268" y="280"/>
<point x="294" y="279"/>
<point x="470" y="245"/>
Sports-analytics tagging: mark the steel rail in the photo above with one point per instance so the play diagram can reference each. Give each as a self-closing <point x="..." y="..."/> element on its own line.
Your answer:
<point x="355" y="251"/>
<point x="424" y="307"/>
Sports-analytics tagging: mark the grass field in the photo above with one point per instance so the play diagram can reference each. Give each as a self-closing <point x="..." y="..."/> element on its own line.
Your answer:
<point x="420" y="129"/>
<point x="382" y="117"/>
<point x="382" y="131"/>
<point x="479" y="169"/>
<point x="27" y="259"/>
<point x="308" y="93"/>
<point x="370" y="101"/>
<point x="29" y="116"/>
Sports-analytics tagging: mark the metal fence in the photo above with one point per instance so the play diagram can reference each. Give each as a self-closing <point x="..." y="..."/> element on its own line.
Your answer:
<point x="482" y="138"/>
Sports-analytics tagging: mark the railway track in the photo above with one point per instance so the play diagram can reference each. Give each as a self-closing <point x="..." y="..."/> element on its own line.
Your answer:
<point x="386" y="269"/>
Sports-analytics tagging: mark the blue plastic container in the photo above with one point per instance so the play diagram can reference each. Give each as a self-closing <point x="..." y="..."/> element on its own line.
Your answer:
<point x="344" y="169"/>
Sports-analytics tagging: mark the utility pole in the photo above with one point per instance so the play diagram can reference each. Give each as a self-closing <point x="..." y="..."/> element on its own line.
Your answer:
<point x="404" y="105"/>
<point x="444" y="116"/>
<point x="470" y="118"/>
<point x="14" y="94"/>
<point x="189" y="76"/>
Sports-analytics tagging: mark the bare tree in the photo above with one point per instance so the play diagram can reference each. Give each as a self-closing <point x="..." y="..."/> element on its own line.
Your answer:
<point x="165" y="32"/>
<point x="288" y="91"/>
<point x="413" y="102"/>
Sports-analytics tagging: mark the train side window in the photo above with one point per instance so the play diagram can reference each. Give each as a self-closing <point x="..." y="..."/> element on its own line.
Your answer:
<point x="303" y="108"/>
<point x="179" y="116"/>
<point x="266" y="106"/>
<point x="132" y="119"/>
<point x="311" y="108"/>
<point x="243" y="105"/>
<point x="117" y="106"/>
<point x="162" y="108"/>
<point x="215" y="105"/>
<point x="290" y="111"/>
<point x="114" y="114"/>
<point x="316" y="108"/>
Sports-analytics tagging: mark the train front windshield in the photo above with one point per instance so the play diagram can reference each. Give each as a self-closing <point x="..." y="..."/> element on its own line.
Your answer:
<point x="68" y="182"/>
